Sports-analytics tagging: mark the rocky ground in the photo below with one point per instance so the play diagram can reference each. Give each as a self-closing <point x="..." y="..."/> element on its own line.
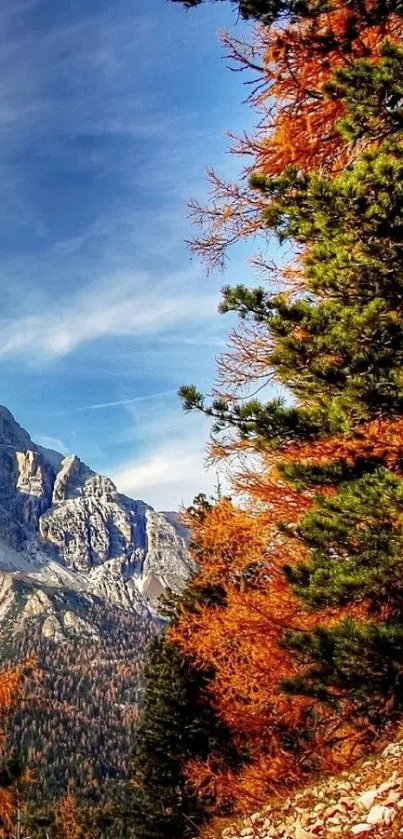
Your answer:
<point x="365" y="802"/>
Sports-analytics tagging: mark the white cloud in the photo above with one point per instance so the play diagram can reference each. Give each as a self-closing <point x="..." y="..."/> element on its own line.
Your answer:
<point x="117" y="403"/>
<point x="169" y="476"/>
<point x="168" y="467"/>
<point x="120" y="305"/>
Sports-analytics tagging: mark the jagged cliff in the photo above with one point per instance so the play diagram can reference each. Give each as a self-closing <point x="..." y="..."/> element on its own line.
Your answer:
<point x="62" y="526"/>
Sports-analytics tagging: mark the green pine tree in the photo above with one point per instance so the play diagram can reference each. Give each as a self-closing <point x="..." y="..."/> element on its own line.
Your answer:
<point x="356" y="556"/>
<point x="178" y="724"/>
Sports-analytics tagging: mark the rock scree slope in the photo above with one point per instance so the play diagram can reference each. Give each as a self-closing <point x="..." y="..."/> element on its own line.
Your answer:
<point x="365" y="801"/>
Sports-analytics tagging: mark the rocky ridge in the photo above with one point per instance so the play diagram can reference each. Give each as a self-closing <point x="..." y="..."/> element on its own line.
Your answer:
<point x="65" y="528"/>
<point x="364" y="802"/>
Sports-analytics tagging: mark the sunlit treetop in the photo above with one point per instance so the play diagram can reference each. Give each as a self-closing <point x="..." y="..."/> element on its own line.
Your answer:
<point x="270" y="11"/>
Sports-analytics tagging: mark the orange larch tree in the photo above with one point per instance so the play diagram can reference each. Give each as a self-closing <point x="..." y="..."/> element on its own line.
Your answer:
<point x="67" y="824"/>
<point x="233" y="621"/>
<point x="292" y="68"/>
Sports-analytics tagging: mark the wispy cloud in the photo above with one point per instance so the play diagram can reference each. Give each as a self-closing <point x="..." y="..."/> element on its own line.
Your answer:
<point x="169" y="467"/>
<point x="95" y="50"/>
<point x="169" y="476"/>
<point x="120" y="305"/>
<point x="118" y="403"/>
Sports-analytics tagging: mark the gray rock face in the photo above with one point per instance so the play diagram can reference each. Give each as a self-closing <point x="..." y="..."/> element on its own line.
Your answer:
<point x="62" y="526"/>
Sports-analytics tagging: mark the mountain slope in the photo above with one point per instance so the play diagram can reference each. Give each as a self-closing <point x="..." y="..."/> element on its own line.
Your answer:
<point x="82" y="569"/>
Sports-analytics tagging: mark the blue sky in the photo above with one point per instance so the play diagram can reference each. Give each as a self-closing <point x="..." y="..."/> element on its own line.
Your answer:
<point x="110" y="113"/>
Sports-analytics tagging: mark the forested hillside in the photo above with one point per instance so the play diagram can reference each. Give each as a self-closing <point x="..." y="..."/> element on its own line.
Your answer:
<point x="74" y="727"/>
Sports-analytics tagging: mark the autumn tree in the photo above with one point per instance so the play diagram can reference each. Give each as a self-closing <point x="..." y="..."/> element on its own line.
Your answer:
<point x="232" y="624"/>
<point x="66" y="818"/>
<point x="337" y="346"/>
<point x="308" y="626"/>
<point x="291" y="66"/>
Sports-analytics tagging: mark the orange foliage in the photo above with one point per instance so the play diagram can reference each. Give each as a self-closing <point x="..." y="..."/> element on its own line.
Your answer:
<point x="380" y="440"/>
<point x="66" y="818"/>
<point x="10" y="683"/>
<point x="302" y="128"/>
<point x="239" y="638"/>
<point x="278" y="498"/>
<point x="297" y="119"/>
<point x="242" y="555"/>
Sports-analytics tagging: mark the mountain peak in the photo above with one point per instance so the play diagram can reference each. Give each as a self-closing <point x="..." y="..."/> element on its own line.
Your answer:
<point x="11" y="433"/>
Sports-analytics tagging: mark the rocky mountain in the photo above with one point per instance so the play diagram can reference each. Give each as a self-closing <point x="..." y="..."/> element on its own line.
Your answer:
<point x="82" y="569"/>
<point x="65" y="528"/>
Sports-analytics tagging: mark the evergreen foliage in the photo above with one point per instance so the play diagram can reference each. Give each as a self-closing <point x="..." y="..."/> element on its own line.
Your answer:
<point x="263" y="10"/>
<point x="339" y="347"/>
<point x="362" y="658"/>
<point x="178" y="724"/>
<point x="355" y="542"/>
<point x="356" y="546"/>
